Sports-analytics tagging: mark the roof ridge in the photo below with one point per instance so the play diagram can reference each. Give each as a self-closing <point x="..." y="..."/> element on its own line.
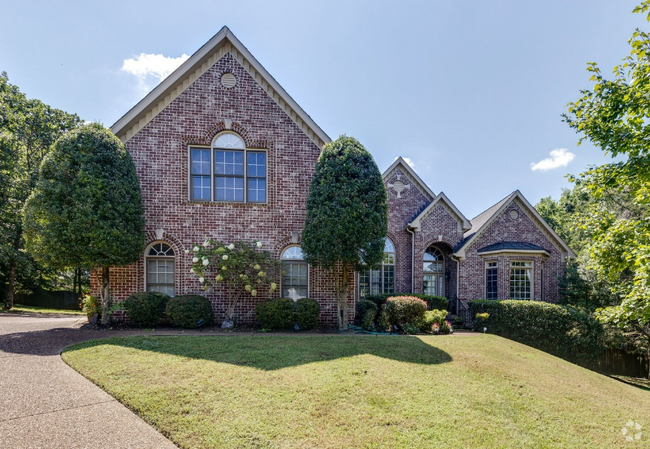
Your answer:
<point x="500" y="201"/>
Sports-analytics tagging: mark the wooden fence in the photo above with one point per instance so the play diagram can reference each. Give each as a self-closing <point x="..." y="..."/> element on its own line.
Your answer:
<point x="619" y="362"/>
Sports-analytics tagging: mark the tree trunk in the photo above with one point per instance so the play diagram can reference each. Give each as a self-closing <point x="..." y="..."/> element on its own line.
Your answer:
<point x="106" y="296"/>
<point x="80" y="293"/>
<point x="9" y="297"/>
<point x="341" y="283"/>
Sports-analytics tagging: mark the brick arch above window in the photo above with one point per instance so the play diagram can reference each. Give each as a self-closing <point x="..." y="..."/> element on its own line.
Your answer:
<point x="213" y="131"/>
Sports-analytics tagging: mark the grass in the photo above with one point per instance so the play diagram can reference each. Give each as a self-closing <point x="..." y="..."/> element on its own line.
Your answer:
<point x="360" y="391"/>
<point x="19" y="308"/>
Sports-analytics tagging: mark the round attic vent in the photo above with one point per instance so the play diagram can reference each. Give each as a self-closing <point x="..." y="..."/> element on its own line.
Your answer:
<point x="514" y="214"/>
<point x="228" y="80"/>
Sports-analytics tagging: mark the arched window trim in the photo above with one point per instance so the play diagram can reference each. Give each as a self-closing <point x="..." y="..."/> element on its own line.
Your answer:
<point x="160" y="257"/>
<point x="384" y="276"/>
<point x="432" y="255"/>
<point x="290" y="261"/>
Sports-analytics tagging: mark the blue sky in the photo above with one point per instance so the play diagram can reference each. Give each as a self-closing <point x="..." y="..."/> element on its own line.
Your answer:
<point x="470" y="91"/>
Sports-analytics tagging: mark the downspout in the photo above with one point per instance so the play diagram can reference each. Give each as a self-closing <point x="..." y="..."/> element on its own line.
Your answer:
<point x="408" y="229"/>
<point x="455" y="259"/>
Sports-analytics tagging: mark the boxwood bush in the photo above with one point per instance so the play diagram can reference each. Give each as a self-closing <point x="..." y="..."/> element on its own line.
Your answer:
<point x="274" y="314"/>
<point x="405" y="311"/>
<point x="145" y="309"/>
<point x="559" y="330"/>
<point x="188" y="311"/>
<point x="431" y="318"/>
<point x="307" y="312"/>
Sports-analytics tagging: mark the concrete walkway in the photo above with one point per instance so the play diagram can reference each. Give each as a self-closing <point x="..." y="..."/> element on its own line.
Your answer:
<point x="46" y="404"/>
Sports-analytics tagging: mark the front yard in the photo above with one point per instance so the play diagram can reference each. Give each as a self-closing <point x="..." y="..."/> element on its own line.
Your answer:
<point x="361" y="391"/>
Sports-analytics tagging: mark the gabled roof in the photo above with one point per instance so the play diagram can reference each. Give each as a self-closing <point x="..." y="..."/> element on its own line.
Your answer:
<point x="518" y="247"/>
<point x="441" y="198"/>
<point x="216" y="48"/>
<point x="485" y="219"/>
<point x="411" y="173"/>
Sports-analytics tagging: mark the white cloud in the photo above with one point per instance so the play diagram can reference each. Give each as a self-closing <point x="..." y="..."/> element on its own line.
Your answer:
<point x="150" y="69"/>
<point x="408" y="161"/>
<point x="560" y="157"/>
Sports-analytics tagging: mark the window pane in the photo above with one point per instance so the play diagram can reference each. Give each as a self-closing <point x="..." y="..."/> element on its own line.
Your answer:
<point x="229" y="163"/>
<point x="375" y="282"/>
<point x="520" y="280"/>
<point x="201" y="187"/>
<point x="229" y="189"/>
<point x="294" y="280"/>
<point x="160" y="276"/>
<point x="364" y="284"/>
<point x="491" y="283"/>
<point x="201" y="162"/>
<point x="257" y="165"/>
<point x="389" y="279"/>
<point x="257" y="190"/>
<point x="228" y="140"/>
<point x="293" y="252"/>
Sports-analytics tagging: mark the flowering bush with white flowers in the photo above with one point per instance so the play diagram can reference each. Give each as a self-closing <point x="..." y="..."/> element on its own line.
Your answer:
<point x="242" y="268"/>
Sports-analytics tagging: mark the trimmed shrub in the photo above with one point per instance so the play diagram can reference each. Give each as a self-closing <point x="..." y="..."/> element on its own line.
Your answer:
<point x="307" y="312"/>
<point x="188" y="311"/>
<point x="367" y="313"/>
<point x="275" y="313"/>
<point x="559" y="330"/>
<point x="145" y="309"/>
<point x="432" y="317"/>
<point x="433" y="302"/>
<point x="403" y="310"/>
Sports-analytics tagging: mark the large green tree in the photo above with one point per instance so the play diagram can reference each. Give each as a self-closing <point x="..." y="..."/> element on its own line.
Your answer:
<point x="347" y="215"/>
<point x="615" y="116"/>
<point x="86" y="209"/>
<point x="28" y="128"/>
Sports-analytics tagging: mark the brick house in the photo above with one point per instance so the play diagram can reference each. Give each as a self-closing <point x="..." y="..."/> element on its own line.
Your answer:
<point x="222" y="151"/>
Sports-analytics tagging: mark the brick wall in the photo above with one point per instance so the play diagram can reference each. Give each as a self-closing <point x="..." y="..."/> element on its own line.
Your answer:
<point x="525" y="228"/>
<point x="160" y="153"/>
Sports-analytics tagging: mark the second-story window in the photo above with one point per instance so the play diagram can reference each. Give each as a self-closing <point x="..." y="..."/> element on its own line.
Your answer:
<point x="228" y="172"/>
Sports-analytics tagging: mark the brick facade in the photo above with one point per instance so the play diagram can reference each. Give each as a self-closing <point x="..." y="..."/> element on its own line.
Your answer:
<point x="205" y="108"/>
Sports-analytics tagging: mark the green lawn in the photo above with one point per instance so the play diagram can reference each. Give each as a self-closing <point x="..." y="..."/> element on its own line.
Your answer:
<point x="18" y="308"/>
<point x="361" y="391"/>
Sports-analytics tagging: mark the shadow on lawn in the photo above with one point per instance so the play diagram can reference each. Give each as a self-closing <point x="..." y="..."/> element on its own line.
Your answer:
<point x="277" y="352"/>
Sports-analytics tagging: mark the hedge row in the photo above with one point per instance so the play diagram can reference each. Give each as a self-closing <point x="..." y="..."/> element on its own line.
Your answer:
<point x="433" y="302"/>
<point x="147" y="309"/>
<point x="379" y="320"/>
<point x="283" y="313"/>
<point x="559" y="330"/>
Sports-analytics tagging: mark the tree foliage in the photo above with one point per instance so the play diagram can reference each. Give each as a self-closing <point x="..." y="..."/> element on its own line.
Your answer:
<point x="615" y="116"/>
<point x="347" y="215"/>
<point x="86" y="208"/>
<point x="28" y="128"/>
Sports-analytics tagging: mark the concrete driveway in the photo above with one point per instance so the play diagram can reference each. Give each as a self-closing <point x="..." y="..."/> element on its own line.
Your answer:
<point x="46" y="404"/>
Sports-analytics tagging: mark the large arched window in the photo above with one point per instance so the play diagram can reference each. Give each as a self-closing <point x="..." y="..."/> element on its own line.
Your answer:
<point x="373" y="282"/>
<point x="228" y="171"/>
<point x="433" y="272"/>
<point x="295" y="277"/>
<point x="159" y="263"/>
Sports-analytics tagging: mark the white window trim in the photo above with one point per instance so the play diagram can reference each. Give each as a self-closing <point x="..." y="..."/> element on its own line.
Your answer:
<point x="147" y="256"/>
<point x="289" y="260"/>
<point x="532" y="277"/>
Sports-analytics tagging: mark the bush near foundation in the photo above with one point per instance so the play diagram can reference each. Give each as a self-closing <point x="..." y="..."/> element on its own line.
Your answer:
<point x="275" y="314"/>
<point x="146" y="309"/>
<point x="189" y="311"/>
<point x="559" y="330"/>
<point x="307" y="312"/>
<point x="405" y="311"/>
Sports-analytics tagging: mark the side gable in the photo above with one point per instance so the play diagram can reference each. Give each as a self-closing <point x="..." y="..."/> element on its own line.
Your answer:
<point x="224" y="42"/>
<point x="483" y="221"/>
<point x="405" y="168"/>
<point x="441" y="199"/>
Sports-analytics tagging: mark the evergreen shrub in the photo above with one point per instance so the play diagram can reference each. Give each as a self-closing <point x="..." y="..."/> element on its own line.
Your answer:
<point x="188" y="311"/>
<point x="146" y="309"/>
